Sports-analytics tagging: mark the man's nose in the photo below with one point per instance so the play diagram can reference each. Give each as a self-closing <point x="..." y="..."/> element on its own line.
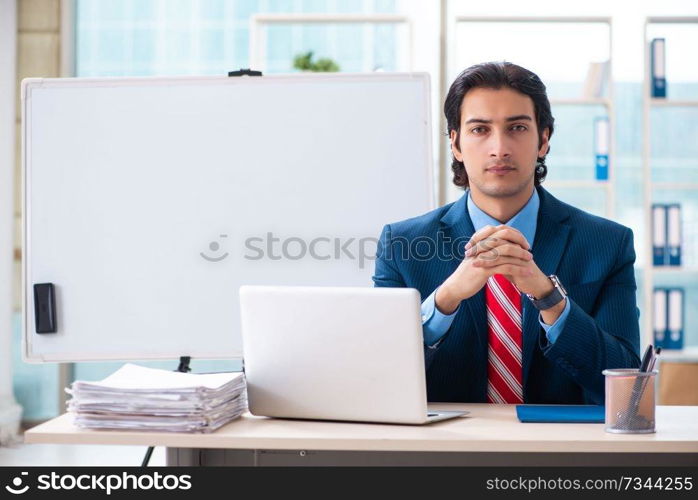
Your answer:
<point x="499" y="146"/>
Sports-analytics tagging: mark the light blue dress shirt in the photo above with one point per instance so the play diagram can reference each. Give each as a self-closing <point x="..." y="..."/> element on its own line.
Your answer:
<point x="435" y="324"/>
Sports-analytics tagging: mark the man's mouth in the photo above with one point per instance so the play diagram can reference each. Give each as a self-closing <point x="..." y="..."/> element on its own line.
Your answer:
<point x="500" y="169"/>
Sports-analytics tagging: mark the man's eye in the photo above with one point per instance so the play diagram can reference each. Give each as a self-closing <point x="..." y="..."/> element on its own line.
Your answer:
<point x="519" y="128"/>
<point x="477" y="130"/>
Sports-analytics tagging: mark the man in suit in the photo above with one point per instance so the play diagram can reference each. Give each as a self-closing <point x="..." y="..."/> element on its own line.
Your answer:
<point x="525" y="299"/>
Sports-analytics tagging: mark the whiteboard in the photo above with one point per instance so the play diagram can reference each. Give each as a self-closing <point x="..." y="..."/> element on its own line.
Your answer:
<point x="148" y="202"/>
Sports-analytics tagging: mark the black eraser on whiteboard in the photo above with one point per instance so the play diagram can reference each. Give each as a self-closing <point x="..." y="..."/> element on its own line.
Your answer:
<point x="44" y="308"/>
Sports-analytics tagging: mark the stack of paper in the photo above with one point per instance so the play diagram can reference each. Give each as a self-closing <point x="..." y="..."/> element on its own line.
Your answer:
<point x="139" y="398"/>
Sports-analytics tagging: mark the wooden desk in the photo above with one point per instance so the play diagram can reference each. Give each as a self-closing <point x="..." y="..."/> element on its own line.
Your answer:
<point x="490" y="435"/>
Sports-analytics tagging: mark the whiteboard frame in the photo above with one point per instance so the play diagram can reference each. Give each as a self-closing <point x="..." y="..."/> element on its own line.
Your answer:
<point x="29" y="84"/>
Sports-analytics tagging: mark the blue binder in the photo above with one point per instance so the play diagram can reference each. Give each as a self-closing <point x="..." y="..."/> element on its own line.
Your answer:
<point x="601" y="135"/>
<point x="590" y="414"/>
<point x="658" y="67"/>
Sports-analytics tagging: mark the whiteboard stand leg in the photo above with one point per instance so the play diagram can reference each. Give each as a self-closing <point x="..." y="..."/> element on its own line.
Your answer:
<point x="147" y="456"/>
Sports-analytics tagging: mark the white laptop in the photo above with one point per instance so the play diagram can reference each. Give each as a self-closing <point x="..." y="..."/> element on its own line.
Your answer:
<point x="353" y="354"/>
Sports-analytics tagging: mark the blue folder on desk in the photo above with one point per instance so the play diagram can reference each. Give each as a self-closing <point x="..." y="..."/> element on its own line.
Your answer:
<point x="561" y="413"/>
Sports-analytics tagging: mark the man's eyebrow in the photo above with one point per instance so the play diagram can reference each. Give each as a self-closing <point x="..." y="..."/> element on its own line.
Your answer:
<point x="519" y="117"/>
<point x="509" y="119"/>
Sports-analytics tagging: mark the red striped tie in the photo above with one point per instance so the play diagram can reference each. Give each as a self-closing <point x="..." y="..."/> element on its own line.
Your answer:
<point x="504" y="373"/>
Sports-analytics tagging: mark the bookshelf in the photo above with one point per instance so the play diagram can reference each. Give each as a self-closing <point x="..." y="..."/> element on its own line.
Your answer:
<point x="665" y="276"/>
<point x="607" y="187"/>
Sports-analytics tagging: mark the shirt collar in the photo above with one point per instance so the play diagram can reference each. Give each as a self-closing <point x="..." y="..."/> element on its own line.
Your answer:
<point x="524" y="221"/>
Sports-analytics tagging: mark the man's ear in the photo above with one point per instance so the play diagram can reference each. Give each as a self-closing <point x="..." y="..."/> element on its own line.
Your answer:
<point x="545" y="143"/>
<point x="454" y="146"/>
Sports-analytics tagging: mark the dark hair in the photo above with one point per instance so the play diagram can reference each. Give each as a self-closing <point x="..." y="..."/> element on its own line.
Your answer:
<point x="496" y="75"/>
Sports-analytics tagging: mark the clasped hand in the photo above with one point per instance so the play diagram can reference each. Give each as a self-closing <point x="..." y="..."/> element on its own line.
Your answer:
<point x="493" y="250"/>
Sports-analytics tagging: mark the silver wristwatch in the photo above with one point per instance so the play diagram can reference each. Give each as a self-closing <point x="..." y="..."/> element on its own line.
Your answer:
<point x="553" y="298"/>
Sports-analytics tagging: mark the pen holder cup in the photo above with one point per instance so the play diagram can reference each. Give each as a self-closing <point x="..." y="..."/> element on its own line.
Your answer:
<point x="630" y="403"/>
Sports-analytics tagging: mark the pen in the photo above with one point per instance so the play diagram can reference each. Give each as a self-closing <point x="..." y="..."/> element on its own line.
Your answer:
<point x="653" y="361"/>
<point x="648" y="361"/>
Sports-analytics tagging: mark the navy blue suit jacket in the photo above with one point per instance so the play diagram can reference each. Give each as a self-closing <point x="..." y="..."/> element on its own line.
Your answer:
<point x="592" y="256"/>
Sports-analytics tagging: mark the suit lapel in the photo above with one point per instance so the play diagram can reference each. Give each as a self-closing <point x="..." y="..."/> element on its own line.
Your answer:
<point x="548" y="248"/>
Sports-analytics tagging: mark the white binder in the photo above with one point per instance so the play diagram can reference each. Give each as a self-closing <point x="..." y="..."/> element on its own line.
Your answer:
<point x="660" y="316"/>
<point x="658" y="235"/>
<point x="675" y="319"/>
<point x="674" y="234"/>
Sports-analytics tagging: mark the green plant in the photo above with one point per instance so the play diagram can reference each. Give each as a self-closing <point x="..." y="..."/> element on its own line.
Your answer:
<point x="304" y="62"/>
